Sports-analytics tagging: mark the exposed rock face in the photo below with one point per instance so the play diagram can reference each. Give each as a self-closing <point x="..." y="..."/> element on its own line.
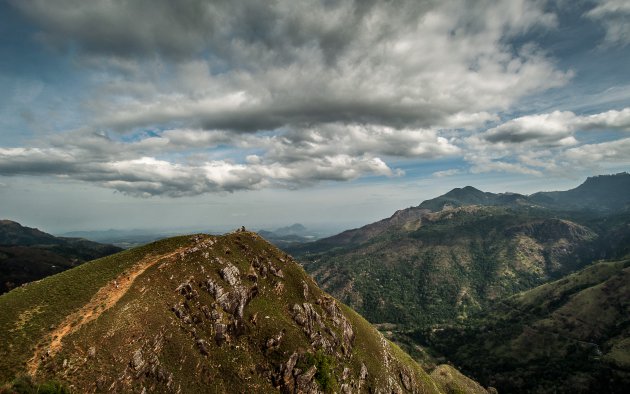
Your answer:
<point x="230" y="274"/>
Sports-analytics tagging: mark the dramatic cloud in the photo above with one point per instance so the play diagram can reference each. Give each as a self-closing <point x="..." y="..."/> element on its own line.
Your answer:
<point x="194" y="97"/>
<point x="127" y="166"/>
<point x="251" y="66"/>
<point x="147" y="176"/>
<point x="553" y="128"/>
<point x="595" y="155"/>
<point x="546" y="143"/>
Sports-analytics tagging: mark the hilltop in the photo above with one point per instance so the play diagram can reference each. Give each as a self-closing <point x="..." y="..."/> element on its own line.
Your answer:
<point x="28" y="254"/>
<point x="201" y="314"/>
<point x="606" y="193"/>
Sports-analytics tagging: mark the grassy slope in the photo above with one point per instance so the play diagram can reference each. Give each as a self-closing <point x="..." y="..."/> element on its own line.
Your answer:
<point x="568" y="335"/>
<point x="29" y="311"/>
<point x="100" y="354"/>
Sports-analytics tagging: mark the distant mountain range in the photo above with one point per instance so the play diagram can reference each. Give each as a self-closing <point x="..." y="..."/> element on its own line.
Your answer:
<point x="452" y="255"/>
<point x="285" y="237"/>
<point x="28" y="254"/>
<point x="122" y="238"/>
<point x="599" y="193"/>
<point x="196" y="314"/>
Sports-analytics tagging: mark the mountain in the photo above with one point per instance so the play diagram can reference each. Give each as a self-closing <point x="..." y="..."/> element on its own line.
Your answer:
<point x="201" y="314"/>
<point x="28" y="254"/>
<point x="470" y="196"/>
<point x="568" y="336"/>
<point x="294" y="229"/>
<point x="14" y="234"/>
<point x="421" y="267"/>
<point x="122" y="238"/>
<point x="456" y="262"/>
<point x="288" y="236"/>
<point x="598" y="193"/>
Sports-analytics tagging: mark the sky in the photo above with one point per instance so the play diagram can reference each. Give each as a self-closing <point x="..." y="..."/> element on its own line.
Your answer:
<point x="333" y="113"/>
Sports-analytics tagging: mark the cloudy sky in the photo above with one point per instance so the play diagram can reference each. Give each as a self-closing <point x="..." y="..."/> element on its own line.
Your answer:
<point x="212" y="114"/>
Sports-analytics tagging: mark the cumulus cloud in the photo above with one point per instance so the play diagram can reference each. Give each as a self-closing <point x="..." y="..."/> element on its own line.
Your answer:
<point x="552" y="128"/>
<point x="596" y="154"/>
<point x="134" y="168"/>
<point x="449" y="172"/>
<point x="147" y="176"/>
<point x="615" y="16"/>
<point x="555" y="128"/>
<point x="606" y="120"/>
<point x="546" y="143"/>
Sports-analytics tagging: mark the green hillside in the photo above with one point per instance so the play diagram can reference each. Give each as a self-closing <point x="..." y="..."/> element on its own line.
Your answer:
<point x="200" y="314"/>
<point x="568" y="336"/>
<point x="451" y="264"/>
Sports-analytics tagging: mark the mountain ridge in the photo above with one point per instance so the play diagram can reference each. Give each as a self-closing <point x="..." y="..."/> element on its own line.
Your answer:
<point x="502" y="244"/>
<point x="28" y="254"/>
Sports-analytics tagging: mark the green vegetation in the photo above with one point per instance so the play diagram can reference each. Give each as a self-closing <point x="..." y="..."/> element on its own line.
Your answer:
<point x="27" y="254"/>
<point x="325" y="371"/>
<point x="443" y="279"/>
<point x="25" y="385"/>
<point x="454" y="264"/>
<point x="569" y="335"/>
<point x="30" y="311"/>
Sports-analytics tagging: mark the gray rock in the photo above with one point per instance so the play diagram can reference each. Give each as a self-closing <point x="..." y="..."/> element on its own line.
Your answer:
<point x="274" y="341"/>
<point x="137" y="361"/>
<point x="304" y="383"/>
<point x="213" y="288"/>
<point x="305" y="291"/>
<point x="405" y="378"/>
<point x="230" y="274"/>
<point x="364" y="372"/>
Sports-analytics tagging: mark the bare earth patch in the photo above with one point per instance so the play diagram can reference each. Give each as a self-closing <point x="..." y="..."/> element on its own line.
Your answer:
<point x="105" y="298"/>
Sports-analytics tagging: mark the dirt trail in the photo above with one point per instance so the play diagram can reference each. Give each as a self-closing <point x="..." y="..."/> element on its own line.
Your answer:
<point x="106" y="297"/>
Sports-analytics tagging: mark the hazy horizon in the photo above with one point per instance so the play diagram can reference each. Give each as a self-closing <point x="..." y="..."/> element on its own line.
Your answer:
<point x="152" y="115"/>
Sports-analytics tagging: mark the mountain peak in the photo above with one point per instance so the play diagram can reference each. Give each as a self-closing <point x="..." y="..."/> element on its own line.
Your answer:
<point x="467" y="195"/>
